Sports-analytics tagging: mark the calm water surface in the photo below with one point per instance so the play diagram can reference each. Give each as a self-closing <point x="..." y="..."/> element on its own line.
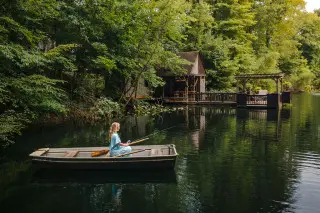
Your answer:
<point x="230" y="160"/>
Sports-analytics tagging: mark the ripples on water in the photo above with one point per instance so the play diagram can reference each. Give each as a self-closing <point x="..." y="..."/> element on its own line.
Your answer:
<point x="230" y="160"/>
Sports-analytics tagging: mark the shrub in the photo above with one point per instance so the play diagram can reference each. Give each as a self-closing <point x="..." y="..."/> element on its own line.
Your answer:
<point x="105" y="108"/>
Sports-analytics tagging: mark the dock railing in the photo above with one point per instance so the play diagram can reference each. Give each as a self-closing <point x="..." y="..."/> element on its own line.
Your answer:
<point x="236" y="99"/>
<point x="257" y="99"/>
<point x="213" y="97"/>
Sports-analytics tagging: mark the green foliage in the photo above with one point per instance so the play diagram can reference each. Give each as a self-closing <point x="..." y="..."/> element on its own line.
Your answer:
<point x="24" y="99"/>
<point x="145" y="108"/>
<point x="286" y="106"/>
<point x="11" y="123"/>
<point x="309" y="37"/>
<point x="303" y="80"/>
<point x="201" y="26"/>
<point x="35" y="93"/>
<point x="264" y="36"/>
<point x="18" y="33"/>
<point x="91" y="88"/>
<point x="234" y="19"/>
<point x="106" y="108"/>
<point x="56" y="52"/>
<point x="287" y="85"/>
<point x="16" y="60"/>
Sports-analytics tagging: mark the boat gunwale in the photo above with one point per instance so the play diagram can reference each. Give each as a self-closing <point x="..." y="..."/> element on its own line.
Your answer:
<point x="96" y="162"/>
<point x="104" y="159"/>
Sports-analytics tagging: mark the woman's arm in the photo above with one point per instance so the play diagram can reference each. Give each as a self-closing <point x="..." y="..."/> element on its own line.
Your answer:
<point x="119" y="141"/>
<point x="123" y="144"/>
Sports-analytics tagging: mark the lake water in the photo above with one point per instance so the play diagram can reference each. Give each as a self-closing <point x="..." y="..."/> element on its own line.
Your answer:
<point x="230" y="160"/>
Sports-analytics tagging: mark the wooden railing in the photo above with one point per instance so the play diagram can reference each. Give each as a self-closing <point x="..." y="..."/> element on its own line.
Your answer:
<point x="203" y="97"/>
<point x="179" y="95"/>
<point x="216" y="97"/>
<point x="238" y="99"/>
<point x="257" y="99"/>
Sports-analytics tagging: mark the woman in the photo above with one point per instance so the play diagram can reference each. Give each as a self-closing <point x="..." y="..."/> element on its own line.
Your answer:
<point x="116" y="147"/>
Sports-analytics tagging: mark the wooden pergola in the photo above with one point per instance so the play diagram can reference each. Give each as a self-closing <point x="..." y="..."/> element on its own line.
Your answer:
<point x="277" y="77"/>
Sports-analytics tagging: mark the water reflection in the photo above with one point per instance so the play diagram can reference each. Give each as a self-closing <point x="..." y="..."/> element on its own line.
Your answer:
<point x="230" y="160"/>
<point x="49" y="176"/>
<point x="116" y="194"/>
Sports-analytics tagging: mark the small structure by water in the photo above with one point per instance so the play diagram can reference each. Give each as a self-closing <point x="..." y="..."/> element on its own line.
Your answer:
<point x="273" y="100"/>
<point x="238" y="99"/>
<point x="184" y="88"/>
<point x="190" y="88"/>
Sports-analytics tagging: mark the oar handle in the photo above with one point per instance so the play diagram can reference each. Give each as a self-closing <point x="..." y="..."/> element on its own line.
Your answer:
<point x="138" y="141"/>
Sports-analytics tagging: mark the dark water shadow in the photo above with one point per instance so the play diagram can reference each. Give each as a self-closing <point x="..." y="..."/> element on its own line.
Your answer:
<point x="265" y="114"/>
<point x="50" y="176"/>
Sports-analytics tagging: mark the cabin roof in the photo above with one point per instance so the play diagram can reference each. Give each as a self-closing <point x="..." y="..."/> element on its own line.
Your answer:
<point x="194" y="69"/>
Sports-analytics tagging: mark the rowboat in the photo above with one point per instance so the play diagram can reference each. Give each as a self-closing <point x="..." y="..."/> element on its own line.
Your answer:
<point x="142" y="157"/>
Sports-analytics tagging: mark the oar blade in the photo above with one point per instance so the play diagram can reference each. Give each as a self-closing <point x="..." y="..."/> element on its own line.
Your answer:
<point x="99" y="153"/>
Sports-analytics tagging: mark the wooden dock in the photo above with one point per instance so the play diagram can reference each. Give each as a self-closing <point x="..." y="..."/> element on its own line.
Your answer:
<point x="229" y="99"/>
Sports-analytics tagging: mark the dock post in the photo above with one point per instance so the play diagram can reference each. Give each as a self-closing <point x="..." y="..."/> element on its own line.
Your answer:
<point x="286" y="97"/>
<point x="241" y="99"/>
<point x="273" y="101"/>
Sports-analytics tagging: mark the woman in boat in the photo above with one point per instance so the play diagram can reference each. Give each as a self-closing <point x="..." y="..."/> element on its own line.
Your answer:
<point x="116" y="147"/>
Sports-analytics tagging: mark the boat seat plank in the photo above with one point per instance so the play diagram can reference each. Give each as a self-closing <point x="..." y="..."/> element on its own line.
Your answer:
<point x="71" y="154"/>
<point x="40" y="152"/>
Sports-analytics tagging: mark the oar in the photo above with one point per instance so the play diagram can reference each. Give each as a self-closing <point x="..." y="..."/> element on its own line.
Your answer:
<point x="153" y="133"/>
<point x="138" y="141"/>
<point x="129" y="153"/>
<point x="98" y="153"/>
<point x="158" y="131"/>
<point x="106" y="151"/>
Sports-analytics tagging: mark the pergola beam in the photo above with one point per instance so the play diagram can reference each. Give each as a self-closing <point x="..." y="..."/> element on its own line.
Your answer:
<point x="275" y="76"/>
<point x="260" y="76"/>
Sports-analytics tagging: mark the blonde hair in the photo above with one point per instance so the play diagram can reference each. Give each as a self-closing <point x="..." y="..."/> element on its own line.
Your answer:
<point x="115" y="126"/>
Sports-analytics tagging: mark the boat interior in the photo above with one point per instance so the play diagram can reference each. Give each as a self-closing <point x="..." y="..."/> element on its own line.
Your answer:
<point x="137" y="151"/>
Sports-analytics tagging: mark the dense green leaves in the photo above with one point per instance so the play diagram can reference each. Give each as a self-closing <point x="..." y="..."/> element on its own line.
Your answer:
<point x="56" y="52"/>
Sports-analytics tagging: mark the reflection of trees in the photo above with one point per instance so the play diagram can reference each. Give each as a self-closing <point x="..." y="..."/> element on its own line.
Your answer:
<point x="259" y="123"/>
<point x="229" y="161"/>
<point x="248" y="172"/>
<point x="306" y="122"/>
<point x="10" y="174"/>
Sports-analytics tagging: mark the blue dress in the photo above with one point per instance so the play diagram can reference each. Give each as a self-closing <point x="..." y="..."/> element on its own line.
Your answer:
<point x="115" y="148"/>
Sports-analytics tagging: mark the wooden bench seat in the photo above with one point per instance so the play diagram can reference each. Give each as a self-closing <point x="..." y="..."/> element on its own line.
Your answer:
<point x="40" y="152"/>
<point x="71" y="154"/>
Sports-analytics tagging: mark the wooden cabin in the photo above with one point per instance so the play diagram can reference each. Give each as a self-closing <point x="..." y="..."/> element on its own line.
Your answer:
<point x="184" y="88"/>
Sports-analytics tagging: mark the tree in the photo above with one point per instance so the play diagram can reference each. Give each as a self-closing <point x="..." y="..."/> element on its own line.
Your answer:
<point x="308" y="37"/>
<point x="229" y="51"/>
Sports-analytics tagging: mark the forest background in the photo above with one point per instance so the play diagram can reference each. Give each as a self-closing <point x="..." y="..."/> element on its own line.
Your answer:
<point x="76" y="58"/>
